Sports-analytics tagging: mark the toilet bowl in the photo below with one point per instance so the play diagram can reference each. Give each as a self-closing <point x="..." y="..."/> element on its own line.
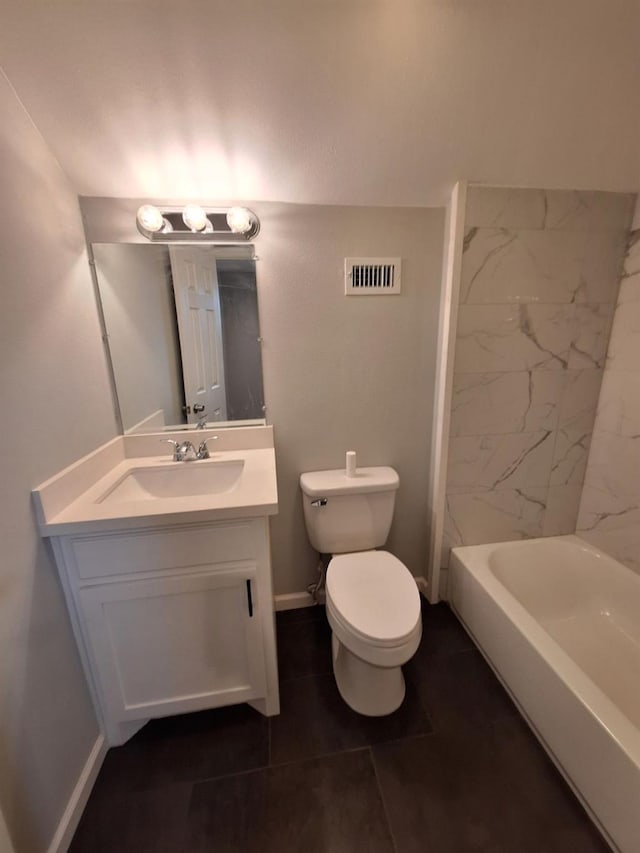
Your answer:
<point x="373" y="608"/>
<point x="373" y="603"/>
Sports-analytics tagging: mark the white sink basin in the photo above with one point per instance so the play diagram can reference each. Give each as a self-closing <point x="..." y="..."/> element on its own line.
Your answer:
<point x="175" y="480"/>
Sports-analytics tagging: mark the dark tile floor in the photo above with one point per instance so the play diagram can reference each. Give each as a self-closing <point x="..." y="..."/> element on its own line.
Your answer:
<point x="454" y="769"/>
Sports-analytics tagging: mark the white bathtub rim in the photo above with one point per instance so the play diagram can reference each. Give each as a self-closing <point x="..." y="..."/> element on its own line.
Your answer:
<point x="619" y="727"/>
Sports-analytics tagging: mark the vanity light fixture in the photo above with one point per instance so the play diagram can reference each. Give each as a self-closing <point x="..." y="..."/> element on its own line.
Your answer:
<point x="150" y="219"/>
<point x="195" y="218"/>
<point x="193" y="223"/>
<point x="240" y="219"/>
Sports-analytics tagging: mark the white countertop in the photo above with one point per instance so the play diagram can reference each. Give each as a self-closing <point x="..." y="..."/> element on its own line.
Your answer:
<point x="73" y="501"/>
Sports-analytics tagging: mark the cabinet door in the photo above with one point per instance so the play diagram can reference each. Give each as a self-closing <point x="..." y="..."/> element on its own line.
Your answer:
<point x="175" y="644"/>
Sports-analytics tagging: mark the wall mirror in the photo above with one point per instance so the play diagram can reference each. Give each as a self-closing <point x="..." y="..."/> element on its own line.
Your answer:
<point x="182" y="331"/>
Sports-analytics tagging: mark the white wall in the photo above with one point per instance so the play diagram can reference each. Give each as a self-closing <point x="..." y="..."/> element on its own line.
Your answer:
<point x="609" y="514"/>
<point x="340" y="373"/>
<point x="55" y="406"/>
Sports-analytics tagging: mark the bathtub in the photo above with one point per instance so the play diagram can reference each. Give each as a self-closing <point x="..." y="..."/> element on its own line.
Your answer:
<point x="559" y="621"/>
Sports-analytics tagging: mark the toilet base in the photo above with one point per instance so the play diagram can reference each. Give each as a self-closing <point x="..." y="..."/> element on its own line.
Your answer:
<point x="370" y="690"/>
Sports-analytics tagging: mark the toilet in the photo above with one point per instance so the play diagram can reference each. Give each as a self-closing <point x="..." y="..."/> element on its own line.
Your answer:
<point x="373" y="603"/>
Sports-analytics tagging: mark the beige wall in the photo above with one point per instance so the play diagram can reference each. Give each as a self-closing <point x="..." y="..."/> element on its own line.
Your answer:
<point x="56" y="406"/>
<point x="340" y="373"/>
<point x="348" y="373"/>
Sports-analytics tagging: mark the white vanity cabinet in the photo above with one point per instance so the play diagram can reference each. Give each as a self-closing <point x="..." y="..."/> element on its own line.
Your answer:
<point x="172" y="619"/>
<point x="166" y="569"/>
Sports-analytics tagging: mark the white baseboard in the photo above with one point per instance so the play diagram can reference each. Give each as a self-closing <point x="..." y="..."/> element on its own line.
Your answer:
<point x="78" y="800"/>
<point x="422" y="584"/>
<point x="293" y="600"/>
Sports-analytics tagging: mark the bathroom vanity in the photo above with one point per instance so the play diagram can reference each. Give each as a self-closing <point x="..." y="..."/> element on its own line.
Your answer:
<point x="166" y="571"/>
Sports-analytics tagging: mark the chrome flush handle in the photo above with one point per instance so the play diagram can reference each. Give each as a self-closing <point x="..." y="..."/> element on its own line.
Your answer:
<point x="320" y="502"/>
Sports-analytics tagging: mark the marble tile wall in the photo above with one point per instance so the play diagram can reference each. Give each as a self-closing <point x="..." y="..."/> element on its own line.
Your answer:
<point x="539" y="282"/>
<point x="610" y="506"/>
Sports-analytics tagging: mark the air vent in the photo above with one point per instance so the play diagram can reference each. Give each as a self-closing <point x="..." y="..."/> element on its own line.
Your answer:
<point x="369" y="276"/>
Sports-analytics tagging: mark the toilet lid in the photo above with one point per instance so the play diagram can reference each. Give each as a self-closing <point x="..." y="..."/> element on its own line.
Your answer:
<point x="375" y="595"/>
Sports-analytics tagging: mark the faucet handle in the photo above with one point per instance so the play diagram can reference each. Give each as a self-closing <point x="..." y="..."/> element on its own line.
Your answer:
<point x="176" y="445"/>
<point x="186" y="451"/>
<point x="203" y="450"/>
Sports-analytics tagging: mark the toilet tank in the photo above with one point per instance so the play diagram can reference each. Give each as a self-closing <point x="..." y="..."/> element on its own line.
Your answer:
<point x="345" y="514"/>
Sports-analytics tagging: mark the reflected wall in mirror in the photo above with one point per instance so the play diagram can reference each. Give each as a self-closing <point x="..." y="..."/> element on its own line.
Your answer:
<point x="182" y="332"/>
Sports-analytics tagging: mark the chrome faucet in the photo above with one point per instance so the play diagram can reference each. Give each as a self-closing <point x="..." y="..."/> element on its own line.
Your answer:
<point x="203" y="450"/>
<point x="184" y="451"/>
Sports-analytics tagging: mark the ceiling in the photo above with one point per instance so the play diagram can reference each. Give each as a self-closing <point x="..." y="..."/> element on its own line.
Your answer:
<point x="352" y="102"/>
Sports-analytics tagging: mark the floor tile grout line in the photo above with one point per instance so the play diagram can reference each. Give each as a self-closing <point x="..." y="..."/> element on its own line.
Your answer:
<point x="334" y="752"/>
<point x="330" y="754"/>
<point x="260" y="767"/>
<point x="174" y="783"/>
<point x="434" y="733"/>
<point x="263" y="767"/>
<point x="385" y="809"/>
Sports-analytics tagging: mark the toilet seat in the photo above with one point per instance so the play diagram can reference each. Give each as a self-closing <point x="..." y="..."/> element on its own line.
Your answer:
<point x="374" y="603"/>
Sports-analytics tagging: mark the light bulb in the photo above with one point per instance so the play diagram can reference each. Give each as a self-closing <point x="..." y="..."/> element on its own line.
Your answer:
<point x="194" y="217"/>
<point x="239" y="219"/>
<point x="150" y="218"/>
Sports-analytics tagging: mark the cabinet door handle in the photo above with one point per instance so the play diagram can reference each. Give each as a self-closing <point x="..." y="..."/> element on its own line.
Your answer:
<point x="249" y="598"/>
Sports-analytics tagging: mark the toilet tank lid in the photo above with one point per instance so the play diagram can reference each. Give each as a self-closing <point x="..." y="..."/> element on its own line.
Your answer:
<point x="317" y="484"/>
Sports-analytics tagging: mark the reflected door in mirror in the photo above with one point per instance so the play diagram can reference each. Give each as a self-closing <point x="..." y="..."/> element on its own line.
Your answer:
<point x="195" y="283"/>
